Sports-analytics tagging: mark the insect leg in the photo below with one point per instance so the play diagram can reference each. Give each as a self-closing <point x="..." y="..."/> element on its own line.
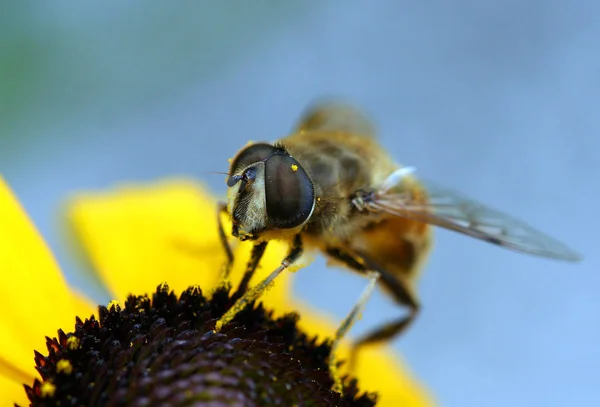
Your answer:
<point x="255" y="292"/>
<point x="402" y="293"/>
<point x="222" y="208"/>
<point x="257" y="252"/>
<point x="399" y="288"/>
<point x="350" y="261"/>
<point x="346" y="325"/>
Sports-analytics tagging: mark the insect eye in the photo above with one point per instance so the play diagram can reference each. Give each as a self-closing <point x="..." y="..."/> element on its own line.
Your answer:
<point x="250" y="155"/>
<point x="289" y="192"/>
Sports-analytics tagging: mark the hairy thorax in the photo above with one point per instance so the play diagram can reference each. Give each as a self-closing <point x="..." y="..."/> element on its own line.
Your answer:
<point x="339" y="164"/>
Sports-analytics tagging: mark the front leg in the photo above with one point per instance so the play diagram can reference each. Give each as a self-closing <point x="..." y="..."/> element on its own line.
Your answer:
<point x="221" y="209"/>
<point x="258" y="250"/>
<point x="254" y="293"/>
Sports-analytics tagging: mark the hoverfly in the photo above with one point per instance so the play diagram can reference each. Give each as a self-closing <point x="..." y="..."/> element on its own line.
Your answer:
<point x="330" y="186"/>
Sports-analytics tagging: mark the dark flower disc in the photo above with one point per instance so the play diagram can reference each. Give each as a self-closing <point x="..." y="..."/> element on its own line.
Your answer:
<point x="163" y="352"/>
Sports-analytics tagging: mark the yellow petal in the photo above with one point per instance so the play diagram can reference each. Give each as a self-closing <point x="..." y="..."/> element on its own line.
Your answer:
<point x="12" y="392"/>
<point x="378" y="368"/>
<point x="34" y="298"/>
<point x="84" y="306"/>
<point x="139" y="236"/>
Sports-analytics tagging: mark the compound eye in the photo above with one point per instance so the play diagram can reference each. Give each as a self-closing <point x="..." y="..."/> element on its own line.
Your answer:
<point x="289" y="192"/>
<point x="251" y="155"/>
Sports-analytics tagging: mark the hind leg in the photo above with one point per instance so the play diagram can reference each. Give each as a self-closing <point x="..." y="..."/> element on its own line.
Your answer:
<point x="346" y="325"/>
<point x="402" y="293"/>
<point x="400" y="289"/>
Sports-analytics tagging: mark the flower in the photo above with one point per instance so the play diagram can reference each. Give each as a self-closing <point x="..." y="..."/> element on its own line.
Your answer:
<point x="137" y="237"/>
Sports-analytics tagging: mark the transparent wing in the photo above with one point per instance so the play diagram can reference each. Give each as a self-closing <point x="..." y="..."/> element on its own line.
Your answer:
<point x="332" y="115"/>
<point x="427" y="202"/>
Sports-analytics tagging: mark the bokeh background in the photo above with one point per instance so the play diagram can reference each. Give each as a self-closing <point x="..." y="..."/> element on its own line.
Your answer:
<point x="498" y="99"/>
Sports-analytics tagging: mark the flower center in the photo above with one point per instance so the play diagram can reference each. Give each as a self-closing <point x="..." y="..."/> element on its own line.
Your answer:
<point x="163" y="352"/>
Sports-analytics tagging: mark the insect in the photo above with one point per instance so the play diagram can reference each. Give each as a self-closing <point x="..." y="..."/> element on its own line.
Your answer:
<point x="330" y="186"/>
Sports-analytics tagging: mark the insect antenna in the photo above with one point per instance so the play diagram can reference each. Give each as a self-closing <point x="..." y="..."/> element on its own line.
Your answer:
<point x="217" y="172"/>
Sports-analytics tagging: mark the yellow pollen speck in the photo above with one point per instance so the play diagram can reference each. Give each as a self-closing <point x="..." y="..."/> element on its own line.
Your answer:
<point x="48" y="389"/>
<point x="224" y="283"/>
<point x="294" y="167"/>
<point x="64" y="366"/>
<point x="113" y="306"/>
<point x="294" y="267"/>
<point x="249" y="143"/>
<point x="73" y="343"/>
<point x="319" y="199"/>
<point x="229" y="160"/>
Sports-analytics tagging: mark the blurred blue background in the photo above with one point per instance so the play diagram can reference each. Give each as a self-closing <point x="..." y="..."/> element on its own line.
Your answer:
<point x="498" y="99"/>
